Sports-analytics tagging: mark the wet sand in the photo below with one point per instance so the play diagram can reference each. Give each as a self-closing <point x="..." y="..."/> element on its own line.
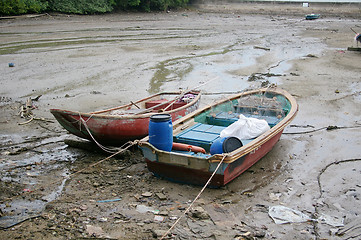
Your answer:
<point x="87" y="63"/>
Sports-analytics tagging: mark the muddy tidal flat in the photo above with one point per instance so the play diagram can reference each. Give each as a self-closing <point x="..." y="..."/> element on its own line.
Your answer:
<point x="311" y="180"/>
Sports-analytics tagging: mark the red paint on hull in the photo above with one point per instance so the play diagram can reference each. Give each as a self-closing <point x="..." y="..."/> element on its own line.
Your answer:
<point x="200" y="177"/>
<point x="197" y="170"/>
<point x="113" y="129"/>
<point x="184" y="175"/>
<point x="237" y="167"/>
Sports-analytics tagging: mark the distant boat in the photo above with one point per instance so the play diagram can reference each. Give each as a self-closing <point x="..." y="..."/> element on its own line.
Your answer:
<point x="312" y="16"/>
<point x="202" y="129"/>
<point x="117" y="125"/>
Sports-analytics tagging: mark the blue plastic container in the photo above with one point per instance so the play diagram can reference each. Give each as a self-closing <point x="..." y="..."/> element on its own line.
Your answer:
<point x="161" y="131"/>
<point x="225" y="145"/>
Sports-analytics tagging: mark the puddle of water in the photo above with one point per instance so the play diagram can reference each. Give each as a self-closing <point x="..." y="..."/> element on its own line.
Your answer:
<point x="189" y="71"/>
<point x="57" y="154"/>
<point x="20" y="209"/>
<point x="56" y="193"/>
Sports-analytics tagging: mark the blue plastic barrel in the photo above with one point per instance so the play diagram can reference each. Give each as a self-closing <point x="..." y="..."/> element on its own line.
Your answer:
<point x="225" y="145"/>
<point x="161" y="131"/>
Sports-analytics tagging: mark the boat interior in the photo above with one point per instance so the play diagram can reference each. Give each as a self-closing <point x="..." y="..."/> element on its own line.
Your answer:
<point x="205" y="128"/>
<point x="156" y="104"/>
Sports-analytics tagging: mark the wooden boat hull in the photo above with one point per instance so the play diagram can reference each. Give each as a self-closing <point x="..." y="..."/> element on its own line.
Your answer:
<point x="195" y="176"/>
<point x="112" y="129"/>
<point x="196" y="169"/>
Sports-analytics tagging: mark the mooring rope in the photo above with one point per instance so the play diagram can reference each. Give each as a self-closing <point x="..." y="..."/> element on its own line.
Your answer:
<point x="328" y="128"/>
<point x="106" y="149"/>
<point x="195" y="199"/>
<point x="107" y="158"/>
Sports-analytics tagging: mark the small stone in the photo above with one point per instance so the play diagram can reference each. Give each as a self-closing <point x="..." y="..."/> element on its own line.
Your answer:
<point x="161" y="196"/>
<point x="158" y="218"/>
<point x="158" y="233"/>
<point x="163" y="213"/>
<point x="94" y="231"/>
<point x="199" y="212"/>
<point x="147" y="194"/>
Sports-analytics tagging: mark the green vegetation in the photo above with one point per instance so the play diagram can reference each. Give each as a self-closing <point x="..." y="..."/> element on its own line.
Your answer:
<point x="81" y="6"/>
<point x="16" y="7"/>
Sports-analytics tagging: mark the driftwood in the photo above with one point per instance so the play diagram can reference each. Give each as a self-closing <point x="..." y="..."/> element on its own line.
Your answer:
<point x="263" y="48"/>
<point x="27" y="113"/>
<point x="358" y="49"/>
<point x="92" y="147"/>
<point x="84" y="145"/>
<point x="26" y="109"/>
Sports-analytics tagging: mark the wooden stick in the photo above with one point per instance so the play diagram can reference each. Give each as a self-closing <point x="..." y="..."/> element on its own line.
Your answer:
<point x="160" y="104"/>
<point x="31" y="119"/>
<point x="134" y="104"/>
<point x="177" y="98"/>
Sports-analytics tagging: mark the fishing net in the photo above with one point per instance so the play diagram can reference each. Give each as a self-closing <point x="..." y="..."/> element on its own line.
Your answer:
<point x="268" y="106"/>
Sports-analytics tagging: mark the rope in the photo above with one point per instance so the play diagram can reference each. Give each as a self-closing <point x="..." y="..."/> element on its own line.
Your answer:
<point x="106" y="149"/>
<point x="329" y="128"/>
<point x="107" y="158"/>
<point x="329" y="165"/>
<point x="195" y="199"/>
<point x="314" y="223"/>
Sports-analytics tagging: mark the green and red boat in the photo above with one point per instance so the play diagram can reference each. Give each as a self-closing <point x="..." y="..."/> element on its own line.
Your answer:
<point x="201" y="130"/>
<point x="120" y="124"/>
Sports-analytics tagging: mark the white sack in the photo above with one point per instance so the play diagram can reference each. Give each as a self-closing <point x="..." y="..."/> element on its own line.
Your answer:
<point x="246" y="128"/>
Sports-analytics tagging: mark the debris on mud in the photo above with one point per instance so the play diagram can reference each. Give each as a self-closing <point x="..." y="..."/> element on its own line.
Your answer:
<point x="55" y="190"/>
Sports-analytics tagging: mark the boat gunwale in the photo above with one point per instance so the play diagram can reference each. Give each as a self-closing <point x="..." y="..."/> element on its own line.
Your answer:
<point x="97" y="114"/>
<point x="251" y="146"/>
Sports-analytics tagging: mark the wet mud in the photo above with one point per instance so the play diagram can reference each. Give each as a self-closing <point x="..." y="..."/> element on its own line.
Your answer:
<point x="50" y="190"/>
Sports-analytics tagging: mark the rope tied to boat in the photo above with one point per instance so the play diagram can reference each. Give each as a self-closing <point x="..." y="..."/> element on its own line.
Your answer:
<point x="104" y="148"/>
<point x="196" y="198"/>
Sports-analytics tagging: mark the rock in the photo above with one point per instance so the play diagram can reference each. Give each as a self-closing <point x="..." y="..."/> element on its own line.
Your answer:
<point x="158" y="233"/>
<point x="199" y="212"/>
<point x="158" y="218"/>
<point x="94" y="231"/>
<point x="144" y="209"/>
<point x="103" y="219"/>
<point x="163" y="213"/>
<point x="147" y="194"/>
<point x="161" y="196"/>
<point x="275" y="196"/>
